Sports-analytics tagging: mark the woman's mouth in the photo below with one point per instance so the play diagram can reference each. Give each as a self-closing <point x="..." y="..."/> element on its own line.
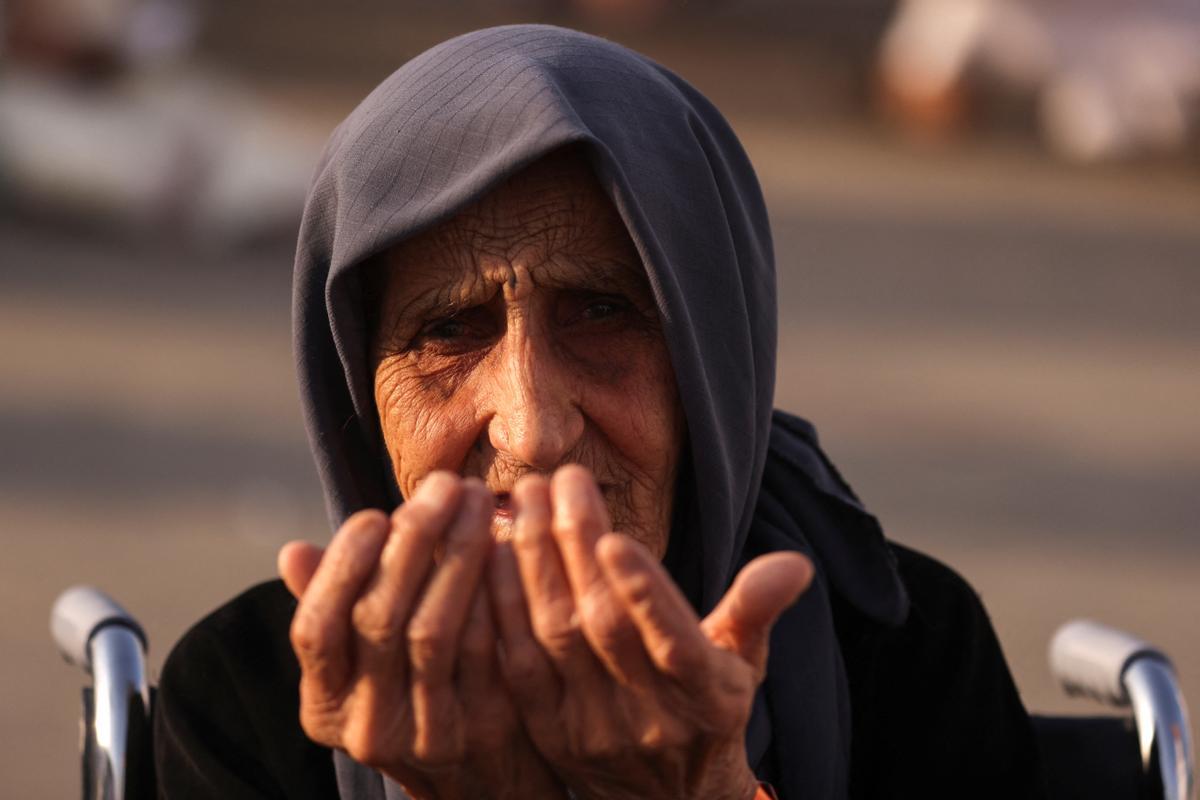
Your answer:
<point x="503" y="505"/>
<point x="504" y="513"/>
<point x="502" y="517"/>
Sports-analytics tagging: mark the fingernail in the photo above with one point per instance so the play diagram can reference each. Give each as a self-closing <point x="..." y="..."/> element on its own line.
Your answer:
<point x="366" y="522"/>
<point x="526" y="485"/>
<point x="475" y="485"/>
<point x="437" y="487"/>
<point x="378" y="523"/>
<point x="478" y="498"/>
<point x="530" y="499"/>
<point x="616" y="553"/>
<point x="571" y="488"/>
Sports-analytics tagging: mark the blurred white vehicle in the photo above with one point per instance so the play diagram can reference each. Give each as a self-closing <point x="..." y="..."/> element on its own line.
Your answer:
<point x="1110" y="79"/>
<point x="103" y="118"/>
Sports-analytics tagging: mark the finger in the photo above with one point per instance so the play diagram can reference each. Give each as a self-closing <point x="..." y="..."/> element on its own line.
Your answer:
<point x="475" y="670"/>
<point x="526" y="669"/>
<point x="481" y="691"/>
<point x="382" y="613"/>
<point x="580" y="519"/>
<point x="297" y="563"/>
<point x="669" y="628"/>
<point x="436" y="627"/>
<point x="614" y="637"/>
<point x="742" y="620"/>
<point x="546" y="587"/>
<point x="320" y="628"/>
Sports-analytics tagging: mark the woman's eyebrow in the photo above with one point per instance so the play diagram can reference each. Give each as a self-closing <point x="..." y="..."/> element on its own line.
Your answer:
<point x="600" y="275"/>
<point x="423" y="299"/>
<point x="403" y="319"/>
<point x="432" y="304"/>
<point x="445" y="299"/>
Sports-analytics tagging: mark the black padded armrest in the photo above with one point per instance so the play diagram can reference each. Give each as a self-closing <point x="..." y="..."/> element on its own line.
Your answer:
<point x="1093" y="758"/>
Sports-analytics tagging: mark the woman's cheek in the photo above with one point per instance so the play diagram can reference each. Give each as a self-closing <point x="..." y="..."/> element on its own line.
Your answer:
<point x="639" y="414"/>
<point x="423" y="429"/>
<point x="654" y="417"/>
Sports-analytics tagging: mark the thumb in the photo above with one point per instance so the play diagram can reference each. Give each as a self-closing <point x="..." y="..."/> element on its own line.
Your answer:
<point x="741" y="623"/>
<point x="297" y="563"/>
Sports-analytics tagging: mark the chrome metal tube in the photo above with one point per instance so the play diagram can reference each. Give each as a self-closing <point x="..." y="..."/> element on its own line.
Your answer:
<point x="1162" y="720"/>
<point x="121" y="690"/>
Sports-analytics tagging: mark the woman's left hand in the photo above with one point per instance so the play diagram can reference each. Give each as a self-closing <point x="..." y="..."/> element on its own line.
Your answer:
<point x="626" y="693"/>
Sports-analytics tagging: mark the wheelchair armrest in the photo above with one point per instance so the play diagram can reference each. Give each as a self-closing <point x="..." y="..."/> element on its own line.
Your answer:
<point x="1093" y="758"/>
<point x="95" y="633"/>
<point x="1121" y="670"/>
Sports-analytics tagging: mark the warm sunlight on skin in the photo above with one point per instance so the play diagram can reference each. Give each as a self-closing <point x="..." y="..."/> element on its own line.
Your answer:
<point x="516" y="342"/>
<point x="522" y="335"/>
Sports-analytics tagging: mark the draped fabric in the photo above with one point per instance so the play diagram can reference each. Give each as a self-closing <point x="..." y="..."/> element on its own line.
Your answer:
<point x="452" y="124"/>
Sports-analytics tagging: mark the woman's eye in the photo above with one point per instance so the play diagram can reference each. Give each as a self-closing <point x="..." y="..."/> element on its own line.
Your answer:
<point x="461" y="331"/>
<point x="444" y="329"/>
<point x="588" y="307"/>
<point x="601" y="309"/>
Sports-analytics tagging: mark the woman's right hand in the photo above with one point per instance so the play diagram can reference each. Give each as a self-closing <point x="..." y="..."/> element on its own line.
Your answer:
<point x="397" y="648"/>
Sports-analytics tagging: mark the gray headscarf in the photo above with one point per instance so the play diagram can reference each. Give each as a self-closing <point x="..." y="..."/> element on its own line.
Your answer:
<point x="456" y="121"/>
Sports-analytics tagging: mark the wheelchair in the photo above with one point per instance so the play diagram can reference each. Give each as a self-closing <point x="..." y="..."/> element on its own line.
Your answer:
<point x="1147" y="753"/>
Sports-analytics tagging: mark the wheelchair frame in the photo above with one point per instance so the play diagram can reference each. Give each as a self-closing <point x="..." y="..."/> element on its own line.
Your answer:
<point x="96" y="634"/>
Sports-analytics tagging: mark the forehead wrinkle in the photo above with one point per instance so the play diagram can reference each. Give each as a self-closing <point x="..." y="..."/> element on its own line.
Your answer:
<point x="593" y="273"/>
<point x="548" y="222"/>
<point x="512" y="232"/>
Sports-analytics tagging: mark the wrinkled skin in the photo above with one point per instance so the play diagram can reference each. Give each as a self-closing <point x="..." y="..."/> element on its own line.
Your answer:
<point x="622" y="689"/>
<point x="397" y="651"/>
<point x="522" y="336"/>
<point x="493" y="638"/>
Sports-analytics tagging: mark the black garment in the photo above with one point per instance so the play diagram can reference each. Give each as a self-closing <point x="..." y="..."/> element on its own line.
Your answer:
<point x="935" y="712"/>
<point x="226" y="722"/>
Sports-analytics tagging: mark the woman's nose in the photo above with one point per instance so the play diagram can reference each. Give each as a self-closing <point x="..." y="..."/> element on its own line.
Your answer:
<point x="537" y="419"/>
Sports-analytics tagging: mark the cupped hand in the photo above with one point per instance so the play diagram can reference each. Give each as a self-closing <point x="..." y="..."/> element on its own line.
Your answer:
<point x="622" y="688"/>
<point x="397" y="649"/>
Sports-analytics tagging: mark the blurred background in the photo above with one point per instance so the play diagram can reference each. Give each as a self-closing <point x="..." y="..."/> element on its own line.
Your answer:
<point x="987" y="221"/>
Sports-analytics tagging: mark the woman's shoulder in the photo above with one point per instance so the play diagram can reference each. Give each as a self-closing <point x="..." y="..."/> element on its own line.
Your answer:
<point x="263" y="611"/>
<point x="934" y="695"/>
<point x="243" y="642"/>
<point x="946" y="637"/>
<point x="936" y="590"/>
<point x="227" y="711"/>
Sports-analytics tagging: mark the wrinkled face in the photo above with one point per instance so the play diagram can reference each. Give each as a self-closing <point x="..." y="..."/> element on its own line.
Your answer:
<point x="522" y="335"/>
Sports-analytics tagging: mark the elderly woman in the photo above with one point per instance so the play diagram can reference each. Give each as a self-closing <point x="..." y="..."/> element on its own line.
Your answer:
<point x="535" y="322"/>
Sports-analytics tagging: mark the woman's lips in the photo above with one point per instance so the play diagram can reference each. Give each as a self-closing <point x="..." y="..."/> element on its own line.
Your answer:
<point x="502" y="517"/>
<point x="503" y="506"/>
<point x="503" y="512"/>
